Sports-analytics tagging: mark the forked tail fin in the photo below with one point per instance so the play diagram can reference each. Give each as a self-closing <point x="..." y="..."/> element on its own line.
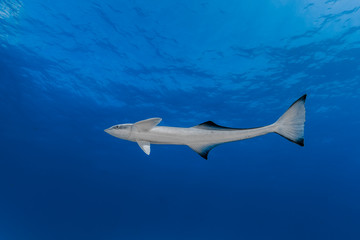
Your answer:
<point x="291" y="124"/>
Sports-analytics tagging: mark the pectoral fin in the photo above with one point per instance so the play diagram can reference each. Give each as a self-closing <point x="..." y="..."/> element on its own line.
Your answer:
<point x="146" y="125"/>
<point x="203" y="149"/>
<point x="145" y="146"/>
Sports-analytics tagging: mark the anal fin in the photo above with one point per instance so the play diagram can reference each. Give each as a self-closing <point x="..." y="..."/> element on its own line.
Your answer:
<point x="203" y="149"/>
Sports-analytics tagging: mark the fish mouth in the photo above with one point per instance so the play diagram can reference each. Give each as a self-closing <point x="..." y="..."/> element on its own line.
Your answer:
<point x="107" y="130"/>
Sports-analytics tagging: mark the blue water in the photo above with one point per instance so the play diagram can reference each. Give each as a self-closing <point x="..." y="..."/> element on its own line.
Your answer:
<point x="70" y="69"/>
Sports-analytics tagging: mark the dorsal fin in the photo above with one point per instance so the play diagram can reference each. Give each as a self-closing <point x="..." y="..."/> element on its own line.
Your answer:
<point x="203" y="149"/>
<point x="209" y="125"/>
<point x="147" y="124"/>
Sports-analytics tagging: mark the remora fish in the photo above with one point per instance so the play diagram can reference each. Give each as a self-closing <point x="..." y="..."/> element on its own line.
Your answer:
<point x="205" y="136"/>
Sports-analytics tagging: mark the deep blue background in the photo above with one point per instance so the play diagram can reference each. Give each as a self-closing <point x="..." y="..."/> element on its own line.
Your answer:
<point x="69" y="69"/>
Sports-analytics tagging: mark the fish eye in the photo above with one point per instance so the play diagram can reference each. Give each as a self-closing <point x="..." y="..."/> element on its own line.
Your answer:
<point x="120" y="127"/>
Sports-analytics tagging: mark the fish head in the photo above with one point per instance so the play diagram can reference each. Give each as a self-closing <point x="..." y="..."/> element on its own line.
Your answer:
<point x="122" y="131"/>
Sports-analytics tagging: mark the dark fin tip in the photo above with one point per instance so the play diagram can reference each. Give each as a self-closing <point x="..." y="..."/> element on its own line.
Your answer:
<point x="212" y="124"/>
<point x="299" y="141"/>
<point x="209" y="125"/>
<point x="204" y="155"/>
<point x="303" y="98"/>
<point x="203" y="152"/>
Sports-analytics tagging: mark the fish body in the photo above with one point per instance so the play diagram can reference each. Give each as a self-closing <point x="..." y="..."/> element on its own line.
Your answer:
<point x="205" y="136"/>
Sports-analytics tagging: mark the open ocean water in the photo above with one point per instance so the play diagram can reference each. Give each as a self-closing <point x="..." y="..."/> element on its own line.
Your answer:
<point x="70" y="69"/>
